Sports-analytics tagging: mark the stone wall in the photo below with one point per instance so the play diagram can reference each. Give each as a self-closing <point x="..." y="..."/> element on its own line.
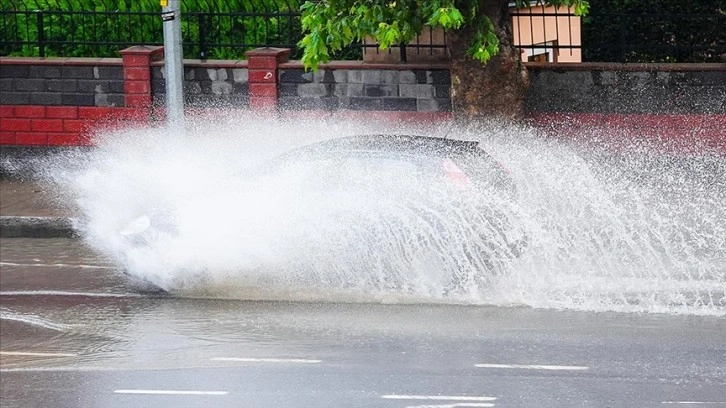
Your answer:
<point x="627" y="88"/>
<point x="370" y="87"/>
<point x="221" y="84"/>
<point x="79" y="83"/>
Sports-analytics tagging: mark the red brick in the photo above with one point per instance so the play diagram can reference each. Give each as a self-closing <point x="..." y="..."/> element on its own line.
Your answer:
<point x="62" y="112"/>
<point x="691" y="121"/>
<point x="637" y="120"/>
<point x="158" y="114"/>
<point x="7" y="138"/>
<point x="137" y="73"/>
<point x="31" y="138"/>
<point x="263" y="90"/>
<point x="7" y="111"/>
<point x="30" y="111"/>
<point x="263" y="102"/>
<point x="64" y="139"/>
<point x="75" y="125"/>
<point x="131" y="60"/>
<point x="85" y="139"/>
<point x="46" y="125"/>
<point x="15" y="125"/>
<point x="392" y="116"/>
<point x="138" y="100"/>
<point x="262" y="75"/>
<point x="258" y="62"/>
<point x="94" y="112"/>
<point x="132" y="114"/>
<point x="137" y="87"/>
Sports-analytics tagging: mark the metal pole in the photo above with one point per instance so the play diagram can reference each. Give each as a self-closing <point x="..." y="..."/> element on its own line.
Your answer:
<point x="171" y="16"/>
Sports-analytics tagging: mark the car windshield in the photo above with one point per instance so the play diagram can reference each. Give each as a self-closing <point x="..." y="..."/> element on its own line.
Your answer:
<point x="366" y="170"/>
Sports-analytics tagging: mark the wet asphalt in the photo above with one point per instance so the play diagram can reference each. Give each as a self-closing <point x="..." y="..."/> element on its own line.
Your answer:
<point x="74" y="332"/>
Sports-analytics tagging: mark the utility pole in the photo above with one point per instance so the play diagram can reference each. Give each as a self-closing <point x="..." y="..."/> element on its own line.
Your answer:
<point x="173" y="64"/>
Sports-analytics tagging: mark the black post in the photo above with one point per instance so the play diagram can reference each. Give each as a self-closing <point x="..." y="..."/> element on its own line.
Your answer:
<point x="622" y="37"/>
<point x="41" y="33"/>
<point x="201" y="19"/>
<point x="404" y="58"/>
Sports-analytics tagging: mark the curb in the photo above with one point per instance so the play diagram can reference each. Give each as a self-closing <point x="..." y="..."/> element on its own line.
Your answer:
<point x="37" y="227"/>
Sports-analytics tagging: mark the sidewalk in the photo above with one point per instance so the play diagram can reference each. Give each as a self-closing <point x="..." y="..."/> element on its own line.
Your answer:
<point x="27" y="211"/>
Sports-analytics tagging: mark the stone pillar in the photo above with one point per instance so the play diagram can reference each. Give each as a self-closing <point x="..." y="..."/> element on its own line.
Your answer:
<point x="262" y="64"/>
<point x="137" y="74"/>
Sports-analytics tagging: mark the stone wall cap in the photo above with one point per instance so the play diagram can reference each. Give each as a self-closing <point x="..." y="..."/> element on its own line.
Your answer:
<point x="401" y="66"/>
<point x="154" y="52"/>
<point x="620" y="66"/>
<point x="142" y="49"/>
<point x="197" y="63"/>
<point x="268" y="51"/>
<point x="74" y="61"/>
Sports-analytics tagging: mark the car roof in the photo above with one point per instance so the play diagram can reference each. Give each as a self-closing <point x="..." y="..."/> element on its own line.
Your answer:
<point x="398" y="143"/>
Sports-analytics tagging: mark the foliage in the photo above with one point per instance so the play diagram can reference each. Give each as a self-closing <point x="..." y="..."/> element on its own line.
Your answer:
<point x="329" y="25"/>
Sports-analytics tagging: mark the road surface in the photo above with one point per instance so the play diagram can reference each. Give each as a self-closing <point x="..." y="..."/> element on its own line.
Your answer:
<point x="74" y="333"/>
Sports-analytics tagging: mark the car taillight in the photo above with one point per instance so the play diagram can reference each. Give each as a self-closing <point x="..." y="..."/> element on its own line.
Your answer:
<point x="504" y="168"/>
<point x="456" y="175"/>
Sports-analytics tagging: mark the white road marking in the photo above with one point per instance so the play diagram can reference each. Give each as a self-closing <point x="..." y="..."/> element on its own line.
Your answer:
<point x="62" y="369"/>
<point x="170" y="392"/>
<point x="694" y="402"/>
<point x="63" y="293"/>
<point x="456" y="405"/>
<point x="266" y="360"/>
<point x="534" y="367"/>
<point x="36" y="321"/>
<point x="34" y="354"/>
<point x="438" y="397"/>
<point x="57" y="265"/>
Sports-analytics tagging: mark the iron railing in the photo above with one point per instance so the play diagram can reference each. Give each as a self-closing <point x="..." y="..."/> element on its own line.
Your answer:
<point x="655" y="36"/>
<point x="219" y="29"/>
<point x="557" y="35"/>
<point x="225" y="29"/>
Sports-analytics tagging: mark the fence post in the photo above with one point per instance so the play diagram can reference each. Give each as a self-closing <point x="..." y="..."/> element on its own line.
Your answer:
<point x="622" y="40"/>
<point x="202" y="21"/>
<point x="41" y="33"/>
<point x="262" y="66"/>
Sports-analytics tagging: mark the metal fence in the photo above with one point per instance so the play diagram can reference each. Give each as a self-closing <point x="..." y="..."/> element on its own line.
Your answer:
<point x="225" y="29"/>
<point x="557" y="35"/>
<point x="655" y="37"/>
<point x="217" y="29"/>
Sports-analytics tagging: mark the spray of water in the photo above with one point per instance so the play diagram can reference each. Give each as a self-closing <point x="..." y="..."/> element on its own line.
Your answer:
<point x="628" y="232"/>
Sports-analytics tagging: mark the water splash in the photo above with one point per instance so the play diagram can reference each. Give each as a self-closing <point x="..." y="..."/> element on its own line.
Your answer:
<point x="627" y="232"/>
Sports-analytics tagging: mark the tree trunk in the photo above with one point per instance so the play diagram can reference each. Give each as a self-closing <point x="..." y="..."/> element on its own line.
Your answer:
<point x="497" y="88"/>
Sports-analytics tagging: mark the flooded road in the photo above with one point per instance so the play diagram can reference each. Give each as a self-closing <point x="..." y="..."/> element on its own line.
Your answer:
<point x="74" y="332"/>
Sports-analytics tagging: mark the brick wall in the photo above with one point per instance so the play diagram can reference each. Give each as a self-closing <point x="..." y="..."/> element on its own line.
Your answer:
<point x="59" y="125"/>
<point x="65" y="100"/>
<point x="679" y="107"/>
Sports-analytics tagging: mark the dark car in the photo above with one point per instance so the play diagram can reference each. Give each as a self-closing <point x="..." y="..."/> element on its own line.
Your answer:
<point x="417" y="190"/>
